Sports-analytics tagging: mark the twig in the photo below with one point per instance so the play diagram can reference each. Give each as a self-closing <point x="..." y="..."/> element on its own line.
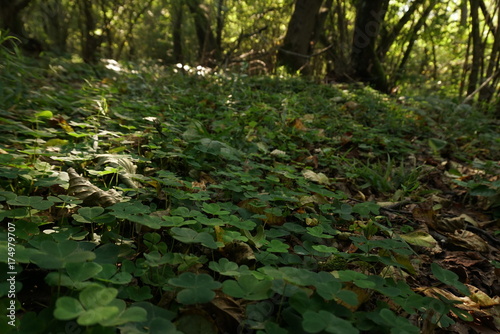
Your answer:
<point x="471" y="95"/>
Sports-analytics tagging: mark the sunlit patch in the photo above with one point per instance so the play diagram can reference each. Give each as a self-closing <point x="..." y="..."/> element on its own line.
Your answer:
<point x="199" y="70"/>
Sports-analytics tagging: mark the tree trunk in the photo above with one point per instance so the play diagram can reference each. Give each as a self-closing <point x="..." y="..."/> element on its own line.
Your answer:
<point x="220" y="23"/>
<point x="297" y="47"/>
<point x="487" y="92"/>
<point x="365" y="63"/>
<point x="339" y="56"/>
<point x="209" y="53"/>
<point x="177" y="32"/>
<point x="10" y="16"/>
<point x="107" y="27"/>
<point x="90" y="42"/>
<point x="477" y="50"/>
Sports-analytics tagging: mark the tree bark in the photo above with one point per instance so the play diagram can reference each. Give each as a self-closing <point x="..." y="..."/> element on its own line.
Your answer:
<point x="370" y="15"/>
<point x="477" y="50"/>
<point x="177" y="32"/>
<point x="89" y="41"/>
<point x="209" y="53"/>
<point x="486" y="93"/>
<point x="220" y="23"/>
<point x="9" y="16"/>
<point x="297" y="47"/>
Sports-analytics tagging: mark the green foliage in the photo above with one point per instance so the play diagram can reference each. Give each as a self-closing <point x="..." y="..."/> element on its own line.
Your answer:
<point x="228" y="191"/>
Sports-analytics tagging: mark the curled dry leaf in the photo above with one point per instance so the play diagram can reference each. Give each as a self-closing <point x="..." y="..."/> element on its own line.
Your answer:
<point x="239" y="252"/>
<point x="125" y="166"/>
<point x="91" y="195"/>
<point x="468" y="240"/>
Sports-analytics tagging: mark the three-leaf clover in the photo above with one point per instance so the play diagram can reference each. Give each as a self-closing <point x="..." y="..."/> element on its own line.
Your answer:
<point x="196" y="288"/>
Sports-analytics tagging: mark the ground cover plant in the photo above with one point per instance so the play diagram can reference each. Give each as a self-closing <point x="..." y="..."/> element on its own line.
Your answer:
<point x="146" y="199"/>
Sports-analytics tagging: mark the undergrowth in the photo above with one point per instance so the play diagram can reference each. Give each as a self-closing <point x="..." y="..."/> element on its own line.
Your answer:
<point x="238" y="204"/>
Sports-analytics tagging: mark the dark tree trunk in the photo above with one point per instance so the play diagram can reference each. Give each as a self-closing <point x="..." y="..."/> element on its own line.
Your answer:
<point x="107" y="27"/>
<point x="209" y="53"/>
<point x="477" y="50"/>
<point x="487" y="92"/>
<point x="177" y="33"/>
<point x="339" y="56"/>
<point x="297" y="47"/>
<point x="365" y="63"/>
<point x="220" y="23"/>
<point x="10" y="16"/>
<point x="90" y="42"/>
<point x="10" y="19"/>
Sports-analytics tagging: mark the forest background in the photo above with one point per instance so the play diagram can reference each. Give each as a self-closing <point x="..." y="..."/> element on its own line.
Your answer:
<point x="268" y="167"/>
<point x="450" y="47"/>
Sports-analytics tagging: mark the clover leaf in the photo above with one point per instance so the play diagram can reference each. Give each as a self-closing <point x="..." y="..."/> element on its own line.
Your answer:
<point x="225" y="267"/>
<point x="188" y="236"/>
<point x="36" y="202"/>
<point x="197" y="288"/>
<point x="55" y="255"/>
<point x="449" y="277"/>
<point x="315" y="322"/>
<point x="248" y="287"/>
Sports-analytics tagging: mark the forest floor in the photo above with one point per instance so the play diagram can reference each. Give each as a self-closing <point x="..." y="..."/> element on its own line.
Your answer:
<point x="147" y="199"/>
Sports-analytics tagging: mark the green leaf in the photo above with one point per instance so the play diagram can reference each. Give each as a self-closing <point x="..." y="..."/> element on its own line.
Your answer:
<point x="125" y="210"/>
<point x="67" y="308"/>
<point x="214" y="209"/>
<point x="44" y="114"/>
<point x="90" y="214"/>
<point x="247" y="287"/>
<point x="95" y="295"/>
<point x="437" y="144"/>
<point x="483" y="190"/>
<point x="299" y="276"/>
<point x="315" y="322"/>
<point x="225" y="267"/>
<point x="139" y="293"/>
<point x="110" y="274"/>
<point x="327" y="286"/>
<point x="449" y="277"/>
<point x="365" y="208"/>
<point x="398" y="324"/>
<point x="325" y="249"/>
<point x="191" y="280"/>
<point x="317" y="231"/>
<point x="198" y="288"/>
<point x="96" y="315"/>
<point x="171" y="221"/>
<point x="277" y="246"/>
<point x="132" y="314"/>
<point x="55" y="255"/>
<point x="188" y="236"/>
<point x="36" y="202"/>
<point x="80" y="272"/>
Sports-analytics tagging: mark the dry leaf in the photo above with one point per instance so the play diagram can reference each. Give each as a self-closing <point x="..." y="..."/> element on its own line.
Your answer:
<point x="469" y="240"/>
<point x="91" y="195"/>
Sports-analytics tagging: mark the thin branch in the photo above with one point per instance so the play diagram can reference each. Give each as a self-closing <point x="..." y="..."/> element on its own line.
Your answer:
<point x="471" y="95"/>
